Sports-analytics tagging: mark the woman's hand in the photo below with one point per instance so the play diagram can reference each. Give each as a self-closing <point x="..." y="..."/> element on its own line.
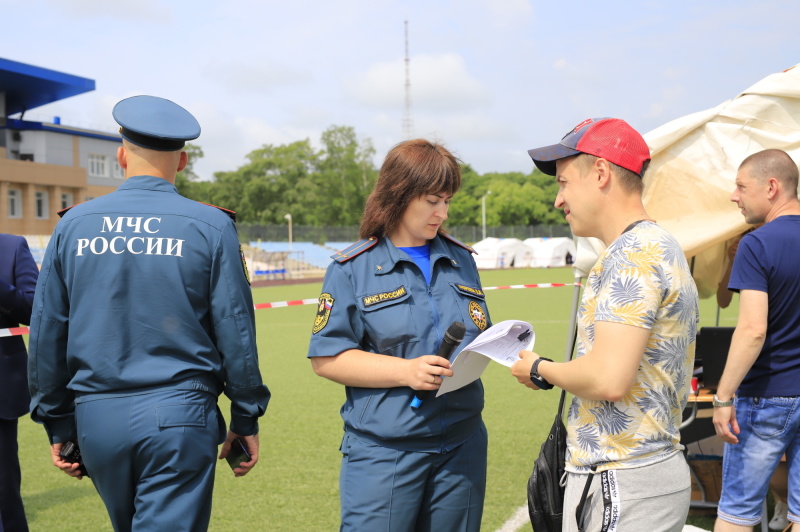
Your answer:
<point x="426" y="372"/>
<point x="521" y="369"/>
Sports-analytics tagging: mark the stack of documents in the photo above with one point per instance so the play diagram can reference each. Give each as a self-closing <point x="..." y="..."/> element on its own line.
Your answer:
<point x="502" y="343"/>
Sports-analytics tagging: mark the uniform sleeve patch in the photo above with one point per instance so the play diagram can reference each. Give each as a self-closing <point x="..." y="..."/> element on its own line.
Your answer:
<point x="323" y="312"/>
<point x="475" y="291"/>
<point x="244" y="265"/>
<point x="374" y="299"/>
<point x="478" y="315"/>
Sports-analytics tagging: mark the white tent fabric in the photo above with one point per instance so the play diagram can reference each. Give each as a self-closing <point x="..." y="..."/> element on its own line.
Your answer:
<point x="502" y="253"/>
<point x="694" y="163"/>
<point x="550" y="252"/>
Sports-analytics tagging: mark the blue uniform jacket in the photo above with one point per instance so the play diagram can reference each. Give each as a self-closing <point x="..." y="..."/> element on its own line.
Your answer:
<point x="18" y="273"/>
<point x="376" y="299"/>
<point x="142" y="290"/>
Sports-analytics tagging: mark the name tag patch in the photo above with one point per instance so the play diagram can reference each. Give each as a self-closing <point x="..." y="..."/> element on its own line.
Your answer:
<point x="470" y="290"/>
<point x="374" y="299"/>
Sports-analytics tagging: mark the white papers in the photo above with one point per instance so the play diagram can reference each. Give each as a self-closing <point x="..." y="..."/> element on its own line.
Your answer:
<point x="501" y="342"/>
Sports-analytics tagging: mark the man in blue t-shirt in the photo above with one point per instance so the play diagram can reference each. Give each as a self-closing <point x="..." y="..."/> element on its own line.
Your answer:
<point x="757" y="405"/>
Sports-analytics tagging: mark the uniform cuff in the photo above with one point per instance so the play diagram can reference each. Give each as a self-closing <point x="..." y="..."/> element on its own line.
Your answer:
<point x="62" y="430"/>
<point x="244" y="426"/>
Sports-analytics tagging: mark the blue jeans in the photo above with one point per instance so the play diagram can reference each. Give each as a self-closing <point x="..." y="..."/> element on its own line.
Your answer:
<point x="770" y="427"/>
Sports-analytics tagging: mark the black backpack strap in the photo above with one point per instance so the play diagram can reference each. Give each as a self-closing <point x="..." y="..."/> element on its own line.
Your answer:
<point x="580" y="516"/>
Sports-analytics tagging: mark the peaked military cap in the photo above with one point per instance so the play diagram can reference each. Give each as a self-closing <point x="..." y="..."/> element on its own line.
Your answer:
<point x="155" y="123"/>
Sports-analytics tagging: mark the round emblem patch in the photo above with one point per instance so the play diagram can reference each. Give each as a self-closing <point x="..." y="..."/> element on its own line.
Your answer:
<point x="244" y="265"/>
<point x="323" y="312"/>
<point x="478" y="315"/>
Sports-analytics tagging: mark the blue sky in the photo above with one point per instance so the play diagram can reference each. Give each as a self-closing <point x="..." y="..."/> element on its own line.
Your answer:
<point x="489" y="78"/>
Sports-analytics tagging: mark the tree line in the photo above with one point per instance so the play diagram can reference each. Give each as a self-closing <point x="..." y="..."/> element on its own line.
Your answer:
<point x="328" y="186"/>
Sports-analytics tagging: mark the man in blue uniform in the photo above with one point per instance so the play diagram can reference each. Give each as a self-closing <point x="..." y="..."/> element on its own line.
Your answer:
<point x="143" y="315"/>
<point x="18" y="273"/>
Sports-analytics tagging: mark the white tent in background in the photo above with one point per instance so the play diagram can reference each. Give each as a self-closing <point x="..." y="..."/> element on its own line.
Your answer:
<point x="502" y="253"/>
<point x="695" y="158"/>
<point x="551" y="252"/>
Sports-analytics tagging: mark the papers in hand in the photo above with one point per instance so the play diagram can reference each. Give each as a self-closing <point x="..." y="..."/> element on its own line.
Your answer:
<point x="501" y="342"/>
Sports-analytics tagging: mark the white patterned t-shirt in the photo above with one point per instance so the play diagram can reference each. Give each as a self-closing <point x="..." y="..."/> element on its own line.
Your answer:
<point x="642" y="279"/>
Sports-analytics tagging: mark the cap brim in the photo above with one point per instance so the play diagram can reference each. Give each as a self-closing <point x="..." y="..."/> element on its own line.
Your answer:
<point x="545" y="158"/>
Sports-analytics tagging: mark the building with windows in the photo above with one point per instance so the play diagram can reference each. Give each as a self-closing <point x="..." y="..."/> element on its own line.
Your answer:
<point x="47" y="166"/>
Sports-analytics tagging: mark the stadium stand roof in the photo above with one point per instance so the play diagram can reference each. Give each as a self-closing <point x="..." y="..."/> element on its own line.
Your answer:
<point x="27" y="87"/>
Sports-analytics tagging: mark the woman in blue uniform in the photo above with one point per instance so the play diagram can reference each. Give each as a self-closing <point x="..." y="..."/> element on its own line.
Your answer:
<point x="386" y="303"/>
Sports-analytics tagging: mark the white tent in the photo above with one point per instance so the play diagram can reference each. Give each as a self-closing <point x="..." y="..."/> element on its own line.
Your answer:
<point x="551" y="252"/>
<point x="694" y="163"/>
<point x="502" y="253"/>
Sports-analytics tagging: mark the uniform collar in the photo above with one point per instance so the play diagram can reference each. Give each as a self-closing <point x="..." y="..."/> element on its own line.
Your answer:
<point x="387" y="255"/>
<point x="148" y="182"/>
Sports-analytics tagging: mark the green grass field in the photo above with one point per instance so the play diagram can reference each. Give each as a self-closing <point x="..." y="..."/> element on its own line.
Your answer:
<point x="295" y="485"/>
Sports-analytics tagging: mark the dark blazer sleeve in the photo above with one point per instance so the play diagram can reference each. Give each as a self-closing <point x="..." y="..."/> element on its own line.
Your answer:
<point x="18" y="275"/>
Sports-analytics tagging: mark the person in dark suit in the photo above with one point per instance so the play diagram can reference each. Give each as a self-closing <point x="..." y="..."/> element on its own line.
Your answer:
<point x="18" y="275"/>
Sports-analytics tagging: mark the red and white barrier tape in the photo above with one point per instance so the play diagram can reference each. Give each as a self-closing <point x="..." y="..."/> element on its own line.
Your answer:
<point x="540" y="285"/>
<point x="296" y="302"/>
<point x="14" y="331"/>
<point x="18" y="331"/>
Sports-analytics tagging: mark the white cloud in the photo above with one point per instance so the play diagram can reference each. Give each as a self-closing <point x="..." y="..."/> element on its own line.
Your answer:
<point x="256" y="75"/>
<point x="227" y="140"/>
<point x="462" y="127"/>
<point x="150" y="10"/>
<point x="669" y="97"/>
<point x="439" y="83"/>
<point x="510" y="10"/>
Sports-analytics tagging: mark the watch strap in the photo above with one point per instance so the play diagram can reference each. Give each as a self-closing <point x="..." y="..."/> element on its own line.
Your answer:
<point x="537" y="379"/>
<point x="717" y="403"/>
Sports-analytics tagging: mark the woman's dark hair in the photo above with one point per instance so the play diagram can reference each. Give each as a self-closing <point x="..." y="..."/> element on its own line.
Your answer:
<point x="411" y="169"/>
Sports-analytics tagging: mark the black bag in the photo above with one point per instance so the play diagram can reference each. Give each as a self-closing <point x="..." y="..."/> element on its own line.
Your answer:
<point x="545" y="493"/>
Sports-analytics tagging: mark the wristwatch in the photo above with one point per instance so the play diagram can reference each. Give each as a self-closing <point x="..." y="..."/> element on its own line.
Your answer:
<point x="537" y="379"/>
<point x="717" y="402"/>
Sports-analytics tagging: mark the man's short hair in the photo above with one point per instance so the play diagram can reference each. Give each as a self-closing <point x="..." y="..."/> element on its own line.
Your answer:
<point x="773" y="163"/>
<point x="628" y="180"/>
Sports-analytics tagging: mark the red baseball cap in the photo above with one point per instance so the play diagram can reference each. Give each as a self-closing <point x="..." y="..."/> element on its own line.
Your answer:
<point x="610" y="138"/>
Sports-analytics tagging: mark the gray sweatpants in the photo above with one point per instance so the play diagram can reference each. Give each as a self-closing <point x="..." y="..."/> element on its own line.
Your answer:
<point x="653" y="498"/>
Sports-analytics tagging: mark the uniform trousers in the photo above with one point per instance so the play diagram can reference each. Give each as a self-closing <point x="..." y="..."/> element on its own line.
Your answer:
<point x="12" y="513"/>
<point x="152" y="457"/>
<point x="387" y="490"/>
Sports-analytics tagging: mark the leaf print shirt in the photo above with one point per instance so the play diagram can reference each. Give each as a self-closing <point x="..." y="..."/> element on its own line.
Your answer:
<point x="642" y="279"/>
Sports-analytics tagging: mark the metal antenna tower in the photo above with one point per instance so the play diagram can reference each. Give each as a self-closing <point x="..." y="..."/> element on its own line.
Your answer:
<point x="408" y="122"/>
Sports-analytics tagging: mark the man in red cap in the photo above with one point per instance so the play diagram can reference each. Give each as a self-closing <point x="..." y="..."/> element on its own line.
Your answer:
<point x="636" y="336"/>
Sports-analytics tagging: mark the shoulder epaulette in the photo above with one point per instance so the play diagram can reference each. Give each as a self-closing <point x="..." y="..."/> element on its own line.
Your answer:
<point x="231" y="214"/>
<point x="64" y="211"/>
<point x="457" y="242"/>
<point x="356" y="249"/>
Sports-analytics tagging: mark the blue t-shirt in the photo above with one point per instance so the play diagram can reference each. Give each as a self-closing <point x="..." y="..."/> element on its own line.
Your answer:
<point x="421" y="255"/>
<point x="767" y="261"/>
